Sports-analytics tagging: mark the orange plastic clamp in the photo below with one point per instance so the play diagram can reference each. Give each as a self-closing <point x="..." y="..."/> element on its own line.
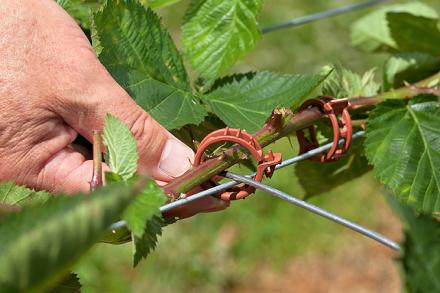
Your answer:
<point x="230" y="135"/>
<point x="266" y="163"/>
<point x="342" y="128"/>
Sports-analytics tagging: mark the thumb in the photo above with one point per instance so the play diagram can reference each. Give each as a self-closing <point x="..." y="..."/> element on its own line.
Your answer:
<point x="162" y="155"/>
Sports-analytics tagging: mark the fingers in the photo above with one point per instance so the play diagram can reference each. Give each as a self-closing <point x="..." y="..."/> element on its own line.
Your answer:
<point x="57" y="89"/>
<point x="68" y="172"/>
<point x="162" y="155"/>
<point x="59" y="165"/>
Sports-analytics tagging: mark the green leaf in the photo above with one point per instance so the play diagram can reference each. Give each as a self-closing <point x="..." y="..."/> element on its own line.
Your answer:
<point x="13" y="194"/>
<point x="111" y="177"/>
<point x="193" y="8"/>
<point x="403" y="145"/>
<point x="344" y="83"/>
<point x="409" y="67"/>
<point x="247" y="102"/>
<point x="414" y="33"/>
<point x="132" y="35"/>
<point x="142" y="57"/>
<point x="39" y="244"/>
<point x="171" y="107"/>
<point x="191" y="134"/>
<point x="317" y="178"/>
<point x="225" y="80"/>
<point x="141" y="216"/>
<point x="96" y="42"/>
<point x="80" y="10"/>
<point x="156" y="4"/>
<point x="122" y="156"/>
<point x="143" y="208"/>
<point x="144" y="245"/>
<point x="70" y="284"/>
<point x="420" y="257"/>
<point x="217" y="33"/>
<point x="371" y="32"/>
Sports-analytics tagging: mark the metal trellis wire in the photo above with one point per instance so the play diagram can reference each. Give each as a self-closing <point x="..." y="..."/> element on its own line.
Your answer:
<point x="314" y="209"/>
<point x="277" y="193"/>
<point x="320" y="15"/>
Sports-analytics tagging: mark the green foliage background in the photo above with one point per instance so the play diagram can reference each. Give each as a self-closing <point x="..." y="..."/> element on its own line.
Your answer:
<point x="193" y="255"/>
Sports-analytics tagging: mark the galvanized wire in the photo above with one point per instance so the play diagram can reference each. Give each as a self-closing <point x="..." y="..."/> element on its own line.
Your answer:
<point x="227" y="185"/>
<point x="320" y="15"/>
<point x="289" y="198"/>
<point x="214" y="190"/>
<point x="314" y="209"/>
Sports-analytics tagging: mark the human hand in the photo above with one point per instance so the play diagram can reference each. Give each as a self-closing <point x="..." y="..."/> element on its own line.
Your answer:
<point x="52" y="88"/>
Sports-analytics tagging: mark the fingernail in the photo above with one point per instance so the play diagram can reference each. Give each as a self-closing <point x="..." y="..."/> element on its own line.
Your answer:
<point x="176" y="158"/>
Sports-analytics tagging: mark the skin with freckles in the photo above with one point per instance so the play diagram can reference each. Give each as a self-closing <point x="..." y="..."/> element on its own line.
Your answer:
<point x="52" y="88"/>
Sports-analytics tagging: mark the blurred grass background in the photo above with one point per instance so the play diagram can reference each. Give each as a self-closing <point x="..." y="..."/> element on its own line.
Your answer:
<point x="220" y="252"/>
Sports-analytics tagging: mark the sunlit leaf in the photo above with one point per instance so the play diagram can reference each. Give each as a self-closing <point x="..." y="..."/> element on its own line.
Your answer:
<point x="344" y="83"/>
<point x="13" y="194"/>
<point x="81" y="10"/>
<point x="156" y="4"/>
<point x="170" y="106"/>
<point x="217" y="33"/>
<point x="247" y="102"/>
<point x="122" y="156"/>
<point x="403" y="145"/>
<point x="141" y="55"/>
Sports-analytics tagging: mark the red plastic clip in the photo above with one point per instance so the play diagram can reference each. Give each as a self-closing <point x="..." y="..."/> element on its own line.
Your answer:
<point x="266" y="163"/>
<point x="230" y="135"/>
<point x="342" y="128"/>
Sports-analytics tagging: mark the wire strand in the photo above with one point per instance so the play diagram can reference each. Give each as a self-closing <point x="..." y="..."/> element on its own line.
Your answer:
<point x="314" y="209"/>
<point x="227" y="185"/>
<point x="280" y="194"/>
<point x="320" y="15"/>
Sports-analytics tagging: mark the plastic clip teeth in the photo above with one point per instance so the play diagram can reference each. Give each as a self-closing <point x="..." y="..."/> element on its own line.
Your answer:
<point x="342" y="128"/>
<point x="266" y="163"/>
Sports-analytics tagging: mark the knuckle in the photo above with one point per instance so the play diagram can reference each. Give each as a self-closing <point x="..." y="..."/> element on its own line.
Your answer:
<point x="146" y="131"/>
<point x="140" y="124"/>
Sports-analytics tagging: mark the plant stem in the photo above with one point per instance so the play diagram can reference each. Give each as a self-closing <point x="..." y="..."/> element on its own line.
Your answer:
<point x="283" y="123"/>
<point x="96" y="181"/>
